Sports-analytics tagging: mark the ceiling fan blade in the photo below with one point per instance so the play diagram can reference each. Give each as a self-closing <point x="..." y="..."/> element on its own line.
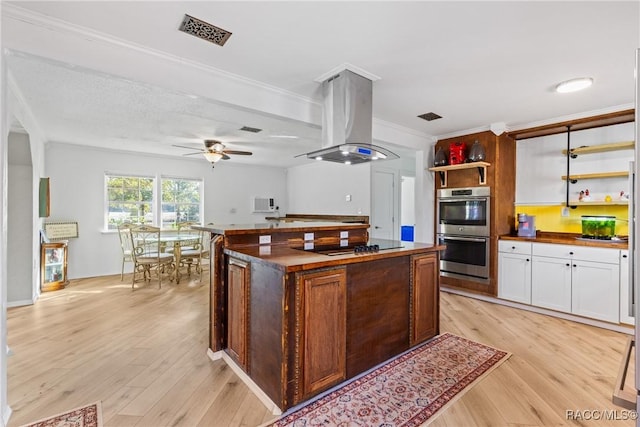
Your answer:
<point x="238" y="152"/>
<point x="225" y="157"/>
<point x="197" y="153"/>
<point x="188" y="148"/>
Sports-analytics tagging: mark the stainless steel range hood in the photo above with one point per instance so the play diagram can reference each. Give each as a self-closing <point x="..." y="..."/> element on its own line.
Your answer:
<point x="347" y="121"/>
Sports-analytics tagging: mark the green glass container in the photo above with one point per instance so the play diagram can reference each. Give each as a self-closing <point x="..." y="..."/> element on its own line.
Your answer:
<point x="598" y="227"/>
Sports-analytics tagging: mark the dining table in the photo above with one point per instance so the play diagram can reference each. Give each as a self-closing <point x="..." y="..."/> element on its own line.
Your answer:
<point x="178" y="241"/>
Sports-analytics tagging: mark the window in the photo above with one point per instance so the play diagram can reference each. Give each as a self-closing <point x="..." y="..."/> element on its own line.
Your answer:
<point x="181" y="201"/>
<point x="129" y="199"/>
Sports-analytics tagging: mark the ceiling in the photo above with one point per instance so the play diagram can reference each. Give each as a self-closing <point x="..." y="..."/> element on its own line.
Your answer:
<point x="83" y="68"/>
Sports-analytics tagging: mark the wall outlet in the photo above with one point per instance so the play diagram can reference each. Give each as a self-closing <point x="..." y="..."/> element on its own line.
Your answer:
<point x="308" y="236"/>
<point x="565" y="211"/>
<point x="265" y="240"/>
<point x="344" y="234"/>
<point x="348" y="197"/>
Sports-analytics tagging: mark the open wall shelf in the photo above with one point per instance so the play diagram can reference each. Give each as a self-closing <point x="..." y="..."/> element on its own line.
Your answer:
<point x="574" y="178"/>
<point x="443" y="170"/>
<point x="615" y="146"/>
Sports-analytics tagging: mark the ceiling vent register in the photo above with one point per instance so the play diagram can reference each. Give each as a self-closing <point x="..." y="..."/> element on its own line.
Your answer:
<point x="204" y="30"/>
<point x="429" y="116"/>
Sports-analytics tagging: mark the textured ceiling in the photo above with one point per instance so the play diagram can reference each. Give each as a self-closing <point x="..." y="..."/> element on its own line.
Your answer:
<point x="474" y="63"/>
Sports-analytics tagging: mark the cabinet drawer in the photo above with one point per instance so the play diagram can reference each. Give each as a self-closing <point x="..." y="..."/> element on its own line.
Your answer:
<point x="585" y="253"/>
<point x="514" y="247"/>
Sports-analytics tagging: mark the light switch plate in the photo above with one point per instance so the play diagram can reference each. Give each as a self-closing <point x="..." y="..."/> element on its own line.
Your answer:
<point x="266" y="239"/>
<point x="308" y="236"/>
<point x="565" y="211"/>
<point x="308" y="246"/>
<point x="344" y="234"/>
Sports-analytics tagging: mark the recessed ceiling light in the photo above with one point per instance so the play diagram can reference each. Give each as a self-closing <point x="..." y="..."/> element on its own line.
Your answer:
<point x="574" y="85"/>
<point x="319" y="158"/>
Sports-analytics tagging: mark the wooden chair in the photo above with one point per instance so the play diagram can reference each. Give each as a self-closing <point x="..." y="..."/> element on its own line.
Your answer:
<point x="147" y="254"/>
<point x="124" y="233"/>
<point x="193" y="254"/>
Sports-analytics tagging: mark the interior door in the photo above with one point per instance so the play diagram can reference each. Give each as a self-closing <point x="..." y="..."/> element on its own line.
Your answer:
<point x="383" y="200"/>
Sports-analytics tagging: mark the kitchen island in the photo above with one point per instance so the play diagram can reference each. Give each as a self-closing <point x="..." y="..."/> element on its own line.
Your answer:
<point x="304" y="312"/>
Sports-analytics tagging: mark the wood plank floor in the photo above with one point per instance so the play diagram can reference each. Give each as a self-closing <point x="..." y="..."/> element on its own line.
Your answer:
<point x="143" y="354"/>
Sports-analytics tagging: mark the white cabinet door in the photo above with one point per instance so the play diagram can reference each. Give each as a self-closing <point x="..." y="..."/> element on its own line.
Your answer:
<point x="514" y="277"/>
<point x="596" y="290"/>
<point x="625" y="297"/>
<point x="551" y="283"/>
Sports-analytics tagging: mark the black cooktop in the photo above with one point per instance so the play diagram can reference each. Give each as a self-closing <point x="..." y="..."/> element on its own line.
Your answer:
<point x="373" y="245"/>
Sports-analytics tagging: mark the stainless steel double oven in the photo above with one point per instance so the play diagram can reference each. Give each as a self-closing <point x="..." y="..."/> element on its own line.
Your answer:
<point x="463" y="225"/>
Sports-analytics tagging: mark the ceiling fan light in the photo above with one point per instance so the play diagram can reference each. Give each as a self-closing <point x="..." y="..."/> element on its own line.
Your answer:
<point x="212" y="157"/>
<point x="574" y="85"/>
<point x="319" y="158"/>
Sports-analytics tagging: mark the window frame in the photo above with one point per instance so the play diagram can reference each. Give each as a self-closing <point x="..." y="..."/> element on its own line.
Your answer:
<point x="156" y="198"/>
<point x="161" y="202"/>
<point x="108" y="175"/>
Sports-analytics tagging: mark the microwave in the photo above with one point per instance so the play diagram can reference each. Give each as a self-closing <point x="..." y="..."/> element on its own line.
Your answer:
<point x="463" y="211"/>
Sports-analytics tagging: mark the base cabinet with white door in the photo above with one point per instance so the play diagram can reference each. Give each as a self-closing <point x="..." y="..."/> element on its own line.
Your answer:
<point x="514" y="271"/>
<point x="580" y="280"/>
<point x="626" y="313"/>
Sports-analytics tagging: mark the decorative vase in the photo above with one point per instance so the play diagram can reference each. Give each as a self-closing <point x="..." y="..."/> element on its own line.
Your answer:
<point x="441" y="158"/>
<point x="476" y="153"/>
<point x="456" y="153"/>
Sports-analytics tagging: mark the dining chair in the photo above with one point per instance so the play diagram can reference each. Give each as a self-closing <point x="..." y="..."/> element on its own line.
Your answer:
<point x="147" y="254"/>
<point x="124" y="233"/>
<point x="192" y="254"/>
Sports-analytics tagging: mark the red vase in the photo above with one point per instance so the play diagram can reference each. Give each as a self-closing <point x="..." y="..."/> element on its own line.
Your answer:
<point x="456" y="153"/>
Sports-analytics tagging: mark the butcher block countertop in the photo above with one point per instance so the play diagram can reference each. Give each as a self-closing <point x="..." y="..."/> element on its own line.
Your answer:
<point x="270" y="227"/>
<point x="568" y="239"/>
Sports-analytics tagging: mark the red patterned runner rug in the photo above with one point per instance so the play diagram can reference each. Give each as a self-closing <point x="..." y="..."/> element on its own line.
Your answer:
<point x="405" y="392"/>
<point x="86" y="416"/>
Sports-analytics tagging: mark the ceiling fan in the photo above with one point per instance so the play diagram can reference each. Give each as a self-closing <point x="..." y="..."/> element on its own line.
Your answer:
<point x="214" y="151"/>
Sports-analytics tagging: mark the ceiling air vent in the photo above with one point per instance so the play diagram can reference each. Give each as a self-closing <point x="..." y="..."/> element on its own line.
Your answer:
<point x="430" y="116"/>
<point x="204" y="30"/>
<point x="250" y="129"/>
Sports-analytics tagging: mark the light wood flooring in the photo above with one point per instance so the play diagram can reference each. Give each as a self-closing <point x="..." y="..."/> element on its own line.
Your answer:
<point x="143" y="354"/>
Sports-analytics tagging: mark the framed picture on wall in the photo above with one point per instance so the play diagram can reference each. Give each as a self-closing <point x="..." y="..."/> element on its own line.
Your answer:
<point x="44" y="205"/>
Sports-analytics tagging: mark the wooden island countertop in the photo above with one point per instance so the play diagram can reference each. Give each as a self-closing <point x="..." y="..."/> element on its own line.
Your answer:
<point x="294" y="323"/>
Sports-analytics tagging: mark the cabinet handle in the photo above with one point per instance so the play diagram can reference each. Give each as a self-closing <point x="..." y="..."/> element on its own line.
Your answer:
<point x="527" y="259"/>
<point x="574" y="265"/>
<point x="513" y="247"/>
<point x="568" y="265"/>
<point x="624" y="256"/>
<point x="570" y="253"/>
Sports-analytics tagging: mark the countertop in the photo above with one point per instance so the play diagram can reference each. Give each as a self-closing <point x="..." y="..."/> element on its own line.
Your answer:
<point x="568" y="239"/>
<point x="290" y="259"/>
<point x="232" y="229"/>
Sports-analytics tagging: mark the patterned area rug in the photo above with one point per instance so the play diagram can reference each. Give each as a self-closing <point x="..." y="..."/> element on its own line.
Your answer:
<point x="407" y="391"/>
<point x="87" y="416"/>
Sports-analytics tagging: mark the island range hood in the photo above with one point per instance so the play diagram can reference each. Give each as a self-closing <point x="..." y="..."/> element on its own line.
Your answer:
<point x="347" y="122"/>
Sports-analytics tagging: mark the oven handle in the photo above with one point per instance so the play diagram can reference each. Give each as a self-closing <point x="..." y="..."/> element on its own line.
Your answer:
<point x="465" y="239"/>
<point x="468" y="199"/>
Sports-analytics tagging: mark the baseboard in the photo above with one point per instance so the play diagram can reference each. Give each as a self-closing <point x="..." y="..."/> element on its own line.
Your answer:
<point x="6" y="414"/>
<point x="19" y="303"/>
<point x="266" y="401"/>
<point x="566" y="316"/>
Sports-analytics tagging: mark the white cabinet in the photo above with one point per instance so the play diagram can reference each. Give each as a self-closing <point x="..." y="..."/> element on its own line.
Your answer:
<point x="577" y="279"/>
<point x="595" y="290"/>
<point x="551" y="283"/>
<point x="625" y="296"/>
<point x="580" y="280"/>
<point x="514" y="271"/>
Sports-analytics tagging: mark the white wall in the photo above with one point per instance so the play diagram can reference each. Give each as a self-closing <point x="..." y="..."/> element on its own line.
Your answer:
<point x="20" y="258"/>
<point x="321" y="188"/>
<point x="77" y="194"/>
<point x="5" y="410"/>
<point x="407" y="200"/>
<point x="541" y="164"/>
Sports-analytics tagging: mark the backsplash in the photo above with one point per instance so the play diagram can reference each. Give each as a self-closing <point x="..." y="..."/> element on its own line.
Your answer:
<point x="549" y="218"/>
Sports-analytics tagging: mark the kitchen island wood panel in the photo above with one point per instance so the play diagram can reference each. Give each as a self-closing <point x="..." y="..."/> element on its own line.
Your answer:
<point x="315" y="320"/>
